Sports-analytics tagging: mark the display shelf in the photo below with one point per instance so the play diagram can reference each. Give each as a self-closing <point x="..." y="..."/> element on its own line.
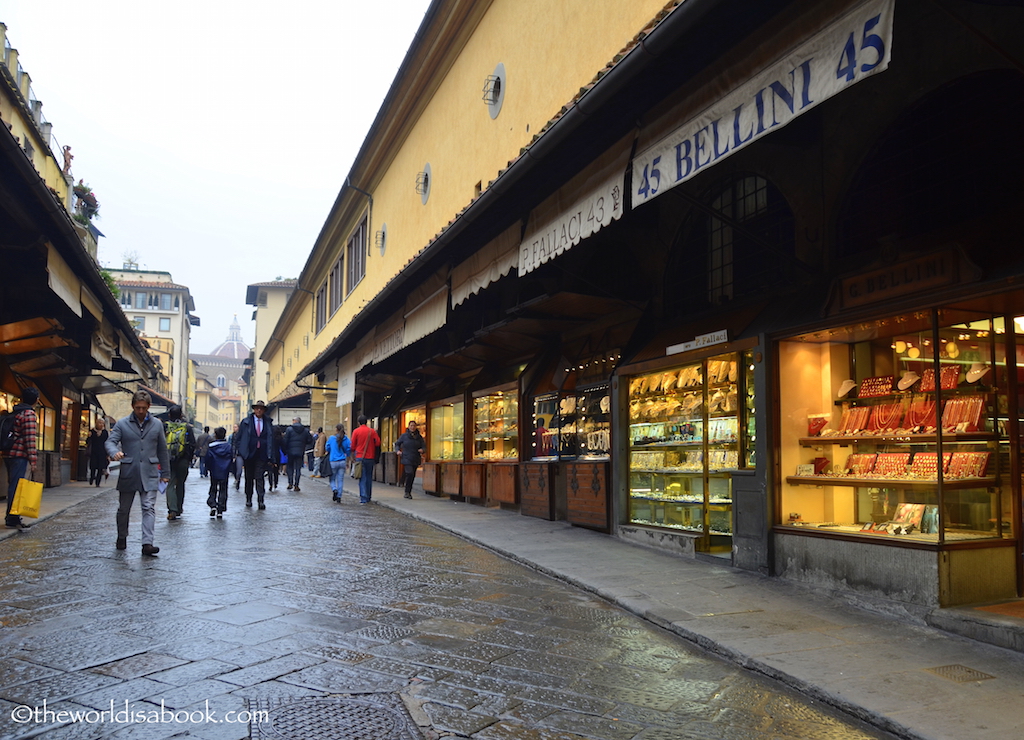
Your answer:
<point x="910" y="483"/>
<point x="901" y="395"/>
<point x="898" y="439"/>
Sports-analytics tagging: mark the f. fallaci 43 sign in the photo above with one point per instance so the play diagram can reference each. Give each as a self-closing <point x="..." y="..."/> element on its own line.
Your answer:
<point x="850" y="49"/>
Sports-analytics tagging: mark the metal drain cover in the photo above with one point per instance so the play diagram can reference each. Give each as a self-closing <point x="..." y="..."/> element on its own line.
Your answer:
<point x="367" y="717"/>
<point x="959" y="673"/>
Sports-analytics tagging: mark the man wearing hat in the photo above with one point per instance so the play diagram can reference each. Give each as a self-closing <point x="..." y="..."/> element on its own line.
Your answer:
<point x="256" y="446"/>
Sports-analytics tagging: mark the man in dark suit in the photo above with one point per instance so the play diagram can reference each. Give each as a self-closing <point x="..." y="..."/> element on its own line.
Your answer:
<point x="258" y="451"/>
<point x="139" y="443"/>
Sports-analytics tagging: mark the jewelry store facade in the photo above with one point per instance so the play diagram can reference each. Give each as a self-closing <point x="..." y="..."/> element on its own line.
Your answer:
<point x="769" y="314"/>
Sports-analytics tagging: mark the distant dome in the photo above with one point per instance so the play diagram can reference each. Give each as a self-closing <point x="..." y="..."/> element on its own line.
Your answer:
<point x="234" y="347"/>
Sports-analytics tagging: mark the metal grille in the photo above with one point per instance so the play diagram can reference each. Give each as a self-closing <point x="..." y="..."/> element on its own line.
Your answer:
<point x="959" y="673"/>
<point x="369" y="717"/>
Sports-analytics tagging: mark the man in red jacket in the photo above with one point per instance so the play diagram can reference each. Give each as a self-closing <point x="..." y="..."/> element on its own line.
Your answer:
<point x="365" y="446"/>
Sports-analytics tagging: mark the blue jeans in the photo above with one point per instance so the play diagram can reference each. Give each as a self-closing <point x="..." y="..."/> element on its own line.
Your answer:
<point x="366" y="480"/>
<point x="16" y="469"/>
<point x="337" y="476"/>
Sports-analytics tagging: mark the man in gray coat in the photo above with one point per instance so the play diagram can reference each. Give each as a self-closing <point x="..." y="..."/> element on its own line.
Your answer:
<point x="139" y="443"/>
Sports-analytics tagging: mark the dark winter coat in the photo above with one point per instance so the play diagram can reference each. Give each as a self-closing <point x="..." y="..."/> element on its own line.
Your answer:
<point x="409" y="447"/>
<point x="218" y="459"/>
<point x="297" y="440"/>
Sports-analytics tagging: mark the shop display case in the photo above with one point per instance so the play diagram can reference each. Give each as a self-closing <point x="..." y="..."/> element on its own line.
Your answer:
<point x="690" y="428"/>
<point x="905" y="431"/>
<point x="496" y="426"/>
<point x="574" y="425"/>
<point x="446" y="431"/>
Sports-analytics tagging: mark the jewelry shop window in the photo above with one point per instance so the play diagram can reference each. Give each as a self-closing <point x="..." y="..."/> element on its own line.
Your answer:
<point x="690" y="428"/>
<point x="897" y="429"/>
<point x="447" y="431"/>
<point x="496" y="425"/>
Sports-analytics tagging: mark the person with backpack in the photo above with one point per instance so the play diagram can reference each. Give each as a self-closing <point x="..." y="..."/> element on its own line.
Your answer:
<point x="338" y="448"/>
<point x="219" y="461"/>
<point x="297" y="440"/>
<point x="18" y="432"/>
<point x="181" y="444"/>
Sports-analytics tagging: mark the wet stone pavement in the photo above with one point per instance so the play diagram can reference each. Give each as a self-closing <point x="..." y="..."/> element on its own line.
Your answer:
<point x="320" y="620"/>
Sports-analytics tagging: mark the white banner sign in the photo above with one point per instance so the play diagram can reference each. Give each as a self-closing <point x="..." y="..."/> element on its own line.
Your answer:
<point x="852" y="48"/>
<point x="581" y="208"/>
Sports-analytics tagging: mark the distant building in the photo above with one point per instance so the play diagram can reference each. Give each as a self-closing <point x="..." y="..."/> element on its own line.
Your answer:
<point x="163" y="310"/>
<point x="220" y="387"/>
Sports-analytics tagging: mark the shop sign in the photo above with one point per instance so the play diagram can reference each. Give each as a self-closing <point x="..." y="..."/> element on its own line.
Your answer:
<point x="903" y="278"/>
<point x="388" y="345"/>
<point x="704" y="340"/>
<point x="578" y="210"/>
<point x="850" y="49"/>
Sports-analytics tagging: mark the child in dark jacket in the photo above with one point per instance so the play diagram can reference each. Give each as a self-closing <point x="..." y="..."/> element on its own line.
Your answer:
<point x="218" y="465"/>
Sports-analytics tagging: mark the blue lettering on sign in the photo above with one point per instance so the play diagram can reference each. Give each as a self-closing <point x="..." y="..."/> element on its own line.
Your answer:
<point x="853" y="46"/>
<point x="736" y="140"/>
<point x="683" y="155"/>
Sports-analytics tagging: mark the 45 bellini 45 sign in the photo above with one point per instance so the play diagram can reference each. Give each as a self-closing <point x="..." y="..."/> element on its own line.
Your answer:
<point x="848" y="50"/>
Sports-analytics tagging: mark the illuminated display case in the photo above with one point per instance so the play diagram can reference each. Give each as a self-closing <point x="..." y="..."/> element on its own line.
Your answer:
<point x="496" y="426"/>
<point x="897" y="430"/>
<point x="573" y="426"/>
<point x="690" y="428"/>
<point x="446" y="437"/>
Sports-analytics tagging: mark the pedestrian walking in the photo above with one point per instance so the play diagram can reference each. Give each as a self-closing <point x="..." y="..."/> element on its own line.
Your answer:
<point x="310" y="453"/>
<point x="257" y="447"/>
<point x="319" y="452"/>
<point x="280" y="459"/>
<point x="366" y="448"/>
<point x="202" y="447"/>
<point x="337" y="450"/>
<point x="297" y="440"/>
<point x="97" y="449"/>
<point x="219" y="459"/>
<point x="139" y="443"/>
<point x="236" y="459"/>
<point x="410" y="447"/>
<point x="20" y="458"/>
<point x="181" y="446"/>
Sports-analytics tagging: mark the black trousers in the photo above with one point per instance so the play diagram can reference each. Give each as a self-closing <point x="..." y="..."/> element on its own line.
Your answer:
<point x="255" y="470"/>
<point x="409" y="473"/>
<point x="218" y="498"/>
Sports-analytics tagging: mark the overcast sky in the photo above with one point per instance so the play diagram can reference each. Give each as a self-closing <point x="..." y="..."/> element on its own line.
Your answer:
<point x="215" y="133"/>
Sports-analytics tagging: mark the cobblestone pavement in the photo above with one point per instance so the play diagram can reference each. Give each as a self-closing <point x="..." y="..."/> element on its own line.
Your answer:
<point x="342" y="620"/>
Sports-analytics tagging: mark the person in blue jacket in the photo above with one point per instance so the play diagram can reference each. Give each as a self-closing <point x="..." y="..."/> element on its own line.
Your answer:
<point x="218" y="462"/>
<point x="338" y="449"/>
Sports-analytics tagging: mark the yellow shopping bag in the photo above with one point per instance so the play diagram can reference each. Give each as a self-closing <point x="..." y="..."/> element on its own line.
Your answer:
<point x="27" y="499"/>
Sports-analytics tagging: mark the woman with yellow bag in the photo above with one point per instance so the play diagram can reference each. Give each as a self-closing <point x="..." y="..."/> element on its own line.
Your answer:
<point x="20" y="458"/>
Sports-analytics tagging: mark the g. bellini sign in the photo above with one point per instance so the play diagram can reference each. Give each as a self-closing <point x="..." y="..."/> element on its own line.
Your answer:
<point x="905" y="278"/>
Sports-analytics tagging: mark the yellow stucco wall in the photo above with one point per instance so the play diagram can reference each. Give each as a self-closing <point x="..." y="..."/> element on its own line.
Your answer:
<point x="550" y="51"/>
